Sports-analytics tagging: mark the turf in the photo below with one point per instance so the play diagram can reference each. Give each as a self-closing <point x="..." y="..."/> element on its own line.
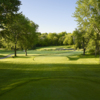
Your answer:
<point x="4" y="52"/>
<point x="50" y="75"/>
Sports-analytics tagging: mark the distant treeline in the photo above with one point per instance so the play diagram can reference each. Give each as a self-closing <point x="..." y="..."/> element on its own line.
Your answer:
<point x="54" y="39"/>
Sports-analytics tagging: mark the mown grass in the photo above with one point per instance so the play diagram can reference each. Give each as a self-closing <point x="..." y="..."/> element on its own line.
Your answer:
<point x="6" y="51"/>
<point x="53" y="48"/>
<point x="50" y="75"/>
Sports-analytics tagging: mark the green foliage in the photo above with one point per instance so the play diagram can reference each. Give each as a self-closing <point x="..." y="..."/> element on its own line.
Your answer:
<point x="65" y="42"/>
<point x="53" y="39"/>
<point x="7" y="44"/>
<point x="87" y="15"/>
<point x="62" y="34"/>
<point x="61" y="39"/>
<point x="22" y="32"/>
<point x="7" y="9"/>
<point x="42" y="40"/>
<point x="77" y="39"/>
<point x="68" y="39"/>
<point x="29" y="36"/>
<point x="92" y="47"/>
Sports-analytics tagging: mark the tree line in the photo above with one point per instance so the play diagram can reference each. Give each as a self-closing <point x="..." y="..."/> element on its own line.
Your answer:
<point x="54" y="39"/>
<point x="19" y="32"/>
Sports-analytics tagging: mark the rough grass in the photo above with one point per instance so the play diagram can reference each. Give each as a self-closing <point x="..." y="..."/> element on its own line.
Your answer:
<point x="50" y="75"/>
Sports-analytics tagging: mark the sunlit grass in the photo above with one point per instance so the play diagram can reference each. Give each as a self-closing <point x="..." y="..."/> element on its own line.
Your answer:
<point x="49" y="57"/>
<point x="51" y="48"/>
<point x="4" y="52"/>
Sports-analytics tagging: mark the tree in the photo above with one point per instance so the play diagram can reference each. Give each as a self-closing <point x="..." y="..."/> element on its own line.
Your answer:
<point x="62" y="34"/>
<point x="42" y="39"/>
<point x="8" y="8"/>
<point x="80" y="39"/>
<point x="61" y="37"/>
<point x="87" y="15"/>
<point x="77" y="39"/>
<point x="16" y="29"/>
<point x="68" y="39"/>
<point x="29" y="37"/>
<point x="52" y="38"/>
<point x="93" y="44"/>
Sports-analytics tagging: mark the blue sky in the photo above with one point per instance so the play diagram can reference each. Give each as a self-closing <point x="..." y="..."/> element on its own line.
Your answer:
<point x="51" y="15"/>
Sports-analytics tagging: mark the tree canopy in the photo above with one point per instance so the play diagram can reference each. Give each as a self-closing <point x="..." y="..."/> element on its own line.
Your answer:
<point x="8" y="8"/>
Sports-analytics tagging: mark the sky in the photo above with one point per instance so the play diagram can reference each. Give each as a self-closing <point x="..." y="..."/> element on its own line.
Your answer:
<point x="51" y="15"/>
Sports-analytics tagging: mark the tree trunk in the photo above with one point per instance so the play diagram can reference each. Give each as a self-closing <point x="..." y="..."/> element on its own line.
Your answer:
<point x="96" y="47"/>
<point x="15" y="49"/>
<point x="84" y="51"/>
<point x="83" y="47"/>
<point x="26" y="52"/>
<point x="95" y="52"/>
<point x="99" y="54"/>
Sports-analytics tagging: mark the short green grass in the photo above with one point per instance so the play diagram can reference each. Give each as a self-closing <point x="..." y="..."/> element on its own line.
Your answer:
<point x="50" y="75"/>
<point x="4" y="52"/>
<point x="53" y="48"/>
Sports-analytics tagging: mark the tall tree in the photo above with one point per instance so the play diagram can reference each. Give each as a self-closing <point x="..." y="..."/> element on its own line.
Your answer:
<point x="29" y="36"/>
<point x="16" y="29"/>
<point x="87" y="15"/>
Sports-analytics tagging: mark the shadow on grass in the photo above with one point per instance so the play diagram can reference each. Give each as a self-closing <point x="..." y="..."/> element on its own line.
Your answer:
<point x="88" y="56"/>
<point x="73" y="57"/>
<point x="16" y="75"/>
<point x="6" y="51"/>
<point x="76" y="57"/>
<point x="2" y="56"/>
<point x="21" y="57"/>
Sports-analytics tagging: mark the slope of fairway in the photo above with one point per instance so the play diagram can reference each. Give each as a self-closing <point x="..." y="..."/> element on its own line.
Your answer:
<point x="50" y="75"/>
